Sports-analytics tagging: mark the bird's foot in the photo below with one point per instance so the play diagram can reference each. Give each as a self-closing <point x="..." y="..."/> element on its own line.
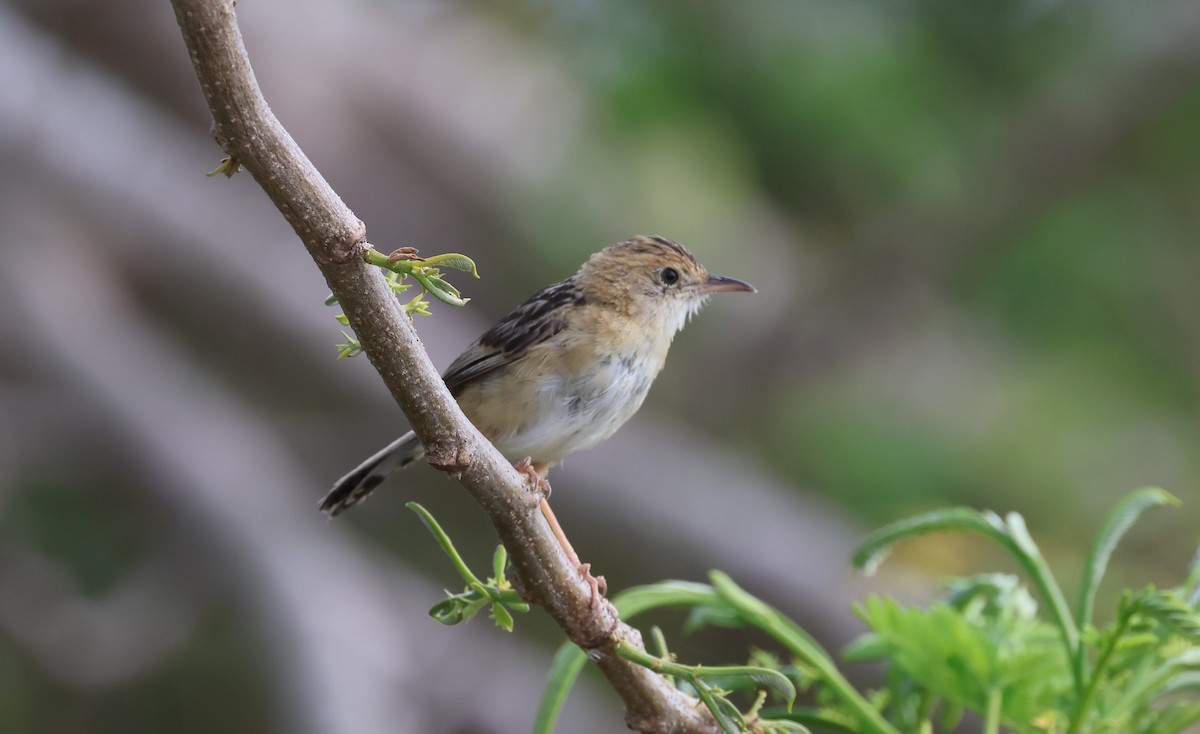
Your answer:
<point x="536" y="480"/>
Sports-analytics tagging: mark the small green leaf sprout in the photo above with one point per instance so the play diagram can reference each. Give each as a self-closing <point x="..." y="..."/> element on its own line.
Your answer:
<point x="400" y="265"/>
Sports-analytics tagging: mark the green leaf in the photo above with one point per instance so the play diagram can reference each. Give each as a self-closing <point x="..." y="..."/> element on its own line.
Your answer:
<point x="738" y="598"/>
<point x="875" y="547"/>
<point x="801" y="644"/>
<point x="448" y="611"/>
<point x="782" y="726"/>
<point x="228" y="166"/>
<point x="453" y="260"/>
<point x="350" y="349"/>
<point x="1011" y="534"/>
<point x="811" y="716"/>
<point x="725" y="713"/>
<point x="867" y="647"/>
<point x="568" y="664"/>
<point x="418" y="305"/>
<point x="710" y="681"/>
<point x="499" y="562"/>
<point x="952" y="714"/>
<point x="426" y="273"/>
<point x="658" y="642"/>
<point x="501" y="616"/>
<point x="1169" y="610"/>
<point x="991" y="596"/>
<point x="1118" y="522"/>
<point x="714" y="616"/>
<point x="454" y="610"/>
<point x="447" y="545"/>
<point x="440" y="289"/>
<point x="569" y="660"/>
<point x="638" y="599"/>
<point x="757" y="613"/>
<point x="396" y="282"/>
<point x="966" y="660"/>
<point x="743" y="677"/>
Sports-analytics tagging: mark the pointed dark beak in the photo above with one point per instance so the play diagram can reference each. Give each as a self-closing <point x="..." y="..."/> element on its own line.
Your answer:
<point x="717" y="283"/>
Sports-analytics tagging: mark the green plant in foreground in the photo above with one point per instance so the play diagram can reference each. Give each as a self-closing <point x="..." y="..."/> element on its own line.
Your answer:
<point x="984" y="648"/>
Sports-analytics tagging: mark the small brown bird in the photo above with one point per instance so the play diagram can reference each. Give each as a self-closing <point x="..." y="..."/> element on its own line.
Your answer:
<point x="564" y="370"/>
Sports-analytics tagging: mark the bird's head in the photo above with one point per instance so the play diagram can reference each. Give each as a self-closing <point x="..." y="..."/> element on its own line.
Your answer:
<point x="654" y="277"/>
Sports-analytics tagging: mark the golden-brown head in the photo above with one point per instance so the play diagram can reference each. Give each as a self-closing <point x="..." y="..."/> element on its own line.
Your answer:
<point x="654" y="277"/>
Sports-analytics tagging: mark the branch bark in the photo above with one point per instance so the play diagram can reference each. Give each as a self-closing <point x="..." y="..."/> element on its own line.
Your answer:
<point x="250" y="134"/>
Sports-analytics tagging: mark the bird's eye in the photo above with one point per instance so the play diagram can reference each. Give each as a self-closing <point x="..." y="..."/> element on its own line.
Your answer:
<point x="669" y="276"/>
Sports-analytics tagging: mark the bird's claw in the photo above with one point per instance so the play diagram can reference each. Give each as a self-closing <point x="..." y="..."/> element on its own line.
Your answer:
<point x="597" y="583"/>
<point x="536" y="480"/>
<point x="525" y="466"/>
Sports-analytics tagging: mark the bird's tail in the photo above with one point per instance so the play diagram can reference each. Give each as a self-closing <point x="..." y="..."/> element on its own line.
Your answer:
<point x="355" y="486"/>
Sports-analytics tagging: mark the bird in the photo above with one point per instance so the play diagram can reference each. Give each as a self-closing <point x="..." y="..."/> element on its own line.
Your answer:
<point x="566" y="368"/>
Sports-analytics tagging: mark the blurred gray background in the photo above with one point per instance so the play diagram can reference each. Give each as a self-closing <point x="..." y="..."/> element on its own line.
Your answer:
<point x="973" y="227"/>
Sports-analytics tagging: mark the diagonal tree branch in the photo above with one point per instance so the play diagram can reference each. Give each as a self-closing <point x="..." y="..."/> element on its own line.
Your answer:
<point x="254" y="139"/>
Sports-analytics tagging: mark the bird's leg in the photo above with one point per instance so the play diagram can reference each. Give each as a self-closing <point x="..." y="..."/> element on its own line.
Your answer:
<point x="597" y="583"/>
<point x="537" y="477"/>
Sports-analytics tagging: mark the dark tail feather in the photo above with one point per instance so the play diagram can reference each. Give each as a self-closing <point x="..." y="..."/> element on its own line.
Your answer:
<point x="355" y="486"/>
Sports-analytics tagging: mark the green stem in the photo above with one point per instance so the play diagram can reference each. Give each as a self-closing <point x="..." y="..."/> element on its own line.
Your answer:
<point x="448" y="546"/>
<point x="991" y="724"/>
<point x="722" y="675"/>
<point x="803" y="645"/>
<point x="925" y="713"/>
<point x="378" y="259"/>
<point x="1089" y="691"/>
<point x="1022" y="546"/>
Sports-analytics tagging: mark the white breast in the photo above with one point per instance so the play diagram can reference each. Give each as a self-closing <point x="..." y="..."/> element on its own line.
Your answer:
<point x="577" y="412"/>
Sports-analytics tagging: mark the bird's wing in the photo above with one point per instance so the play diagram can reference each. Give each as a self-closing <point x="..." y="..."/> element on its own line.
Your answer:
<point x="529" y="324"/>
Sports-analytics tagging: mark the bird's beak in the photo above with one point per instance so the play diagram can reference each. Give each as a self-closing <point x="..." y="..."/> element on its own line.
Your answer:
<point x="717" y="283"/>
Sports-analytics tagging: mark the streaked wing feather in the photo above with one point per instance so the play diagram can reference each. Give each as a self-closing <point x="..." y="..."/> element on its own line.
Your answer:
<point x="529" y="324"/>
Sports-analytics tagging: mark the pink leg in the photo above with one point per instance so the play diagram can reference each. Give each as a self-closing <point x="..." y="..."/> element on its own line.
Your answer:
<point x="537" y="477"/>
<point x="597" y="583"/>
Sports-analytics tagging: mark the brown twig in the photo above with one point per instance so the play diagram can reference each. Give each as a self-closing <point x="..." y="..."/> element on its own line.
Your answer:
<point x="252" y="136"/>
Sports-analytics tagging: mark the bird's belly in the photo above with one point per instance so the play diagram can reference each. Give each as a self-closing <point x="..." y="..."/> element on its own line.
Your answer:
<point x="577" y="412"/>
